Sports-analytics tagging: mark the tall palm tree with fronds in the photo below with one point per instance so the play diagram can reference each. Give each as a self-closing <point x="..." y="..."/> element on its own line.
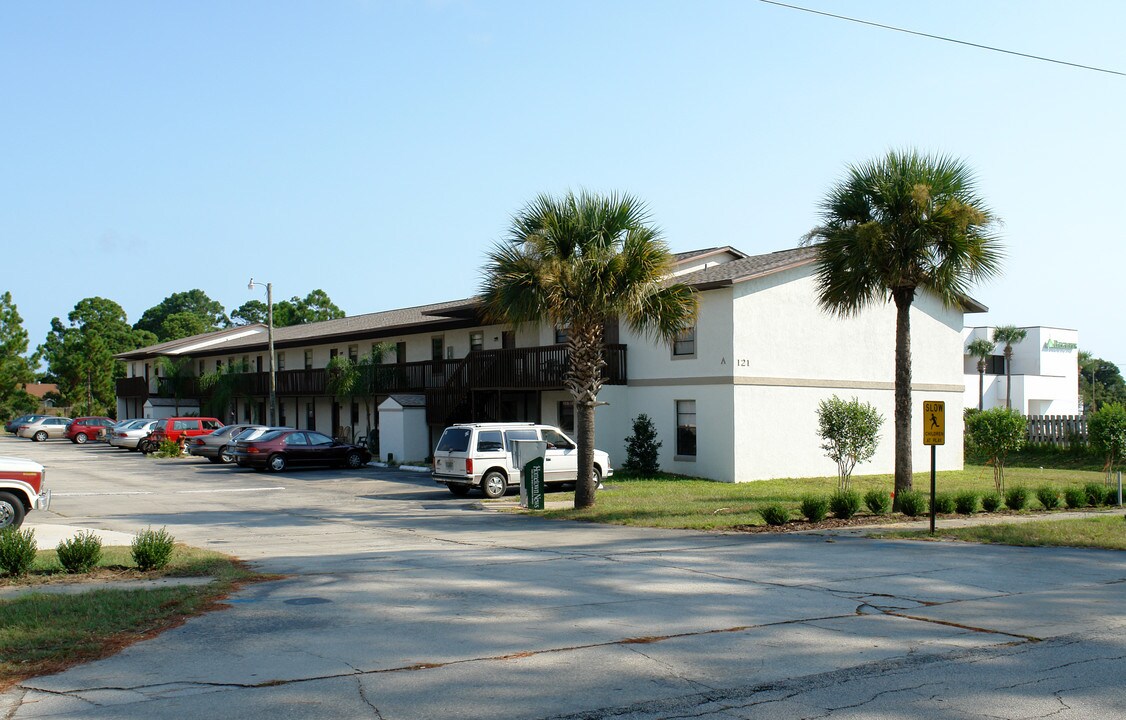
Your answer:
<point x="896" y="226"/>
<point x="981" y="349"/>
<point x="574" y="262"/>
<point x="1010" y="335"/>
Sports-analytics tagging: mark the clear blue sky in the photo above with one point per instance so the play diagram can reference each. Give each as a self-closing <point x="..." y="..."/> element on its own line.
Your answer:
<point x="377" y="149"/>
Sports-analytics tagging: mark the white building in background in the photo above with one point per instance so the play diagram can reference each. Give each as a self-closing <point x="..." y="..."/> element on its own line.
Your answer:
<point x="734" y="399"/>
<point x="1045" y="372"/>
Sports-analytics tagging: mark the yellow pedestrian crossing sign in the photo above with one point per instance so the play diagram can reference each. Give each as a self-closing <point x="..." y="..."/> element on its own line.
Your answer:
<point x="934" y="422"/>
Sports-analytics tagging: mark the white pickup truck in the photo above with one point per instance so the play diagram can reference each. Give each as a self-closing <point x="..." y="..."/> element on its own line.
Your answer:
<point x="23" y="487"/>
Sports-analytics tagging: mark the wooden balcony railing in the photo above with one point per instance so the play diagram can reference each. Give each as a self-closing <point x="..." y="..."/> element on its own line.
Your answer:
<point x="537" y="368"/>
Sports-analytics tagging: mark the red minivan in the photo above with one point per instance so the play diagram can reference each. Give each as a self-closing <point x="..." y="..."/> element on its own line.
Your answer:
<point x="177" y="428"/>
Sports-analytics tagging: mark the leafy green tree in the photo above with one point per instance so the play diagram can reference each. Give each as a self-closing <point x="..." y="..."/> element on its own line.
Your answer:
<point x="850" y="434"/>
<point x="982" y="349"/>
<point x="1106" y="429"/>
<point x="342" y="380"/>
<point x="575" y="261"/>
<point x="1010" y="335"/>
<point x="314" y="307"/>
<point x="79" y="354"/>
<point x="16" y="370"/>
<point x="895" y="226"/>
<point x="226" y="384"/>
<point x="996" y="433"/>
<point x="642" y="448"/>
<point x="210" y="315"/>
<point x="375" y="377"/>
<point x="250" y="312"/>
<point x="177" y="376"/>
<point x="1100" y="382"/>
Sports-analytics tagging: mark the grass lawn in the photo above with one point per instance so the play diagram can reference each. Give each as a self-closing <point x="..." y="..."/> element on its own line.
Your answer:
<point x="1105" y="531"/>
<point x="42" y="633"/>
<point x="672" y="502"/>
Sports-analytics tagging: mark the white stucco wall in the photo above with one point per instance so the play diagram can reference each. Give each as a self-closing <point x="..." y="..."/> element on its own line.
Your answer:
<point x="1045" y="372"/>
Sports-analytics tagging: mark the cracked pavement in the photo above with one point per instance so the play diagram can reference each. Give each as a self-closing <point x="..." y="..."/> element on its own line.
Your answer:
<point x="402" y="602"/>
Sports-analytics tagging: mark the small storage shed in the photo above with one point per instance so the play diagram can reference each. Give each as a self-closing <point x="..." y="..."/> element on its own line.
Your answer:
<point x="403" y="433"/>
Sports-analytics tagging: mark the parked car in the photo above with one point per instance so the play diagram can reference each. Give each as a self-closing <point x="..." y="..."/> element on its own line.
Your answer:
<point x="23" y="487"/>
<point x="14" y="424"/>
<point x="82" y="429"/>
<point x="44" y="428"/>
<point x="216" y="445"/>
<point x="480" y="455"/>
<point x="277" y="450"/>
<point x="177" y="428"/>
<point x="130" y="433"/>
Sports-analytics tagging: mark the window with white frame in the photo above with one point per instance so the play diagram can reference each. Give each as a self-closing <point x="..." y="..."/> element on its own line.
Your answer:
<point x="476" y="341"/>
<point x="308" y="359"/>
<point x="281" y="361"/>
<point x="686" y="428"/>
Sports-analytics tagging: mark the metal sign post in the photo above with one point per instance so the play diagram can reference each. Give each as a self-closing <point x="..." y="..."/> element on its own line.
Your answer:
<point x="934" y="434"/>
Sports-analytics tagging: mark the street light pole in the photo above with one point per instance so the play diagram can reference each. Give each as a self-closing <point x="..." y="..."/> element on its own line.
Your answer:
<point x="270" y="343"/>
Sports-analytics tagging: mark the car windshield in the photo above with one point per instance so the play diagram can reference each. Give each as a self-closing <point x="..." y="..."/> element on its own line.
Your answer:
<point x="270" y="435"/>
<point x="454" y="440"/>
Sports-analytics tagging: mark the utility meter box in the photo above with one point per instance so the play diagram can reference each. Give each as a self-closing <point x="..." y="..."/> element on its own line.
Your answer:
<point x="529" y="456"/>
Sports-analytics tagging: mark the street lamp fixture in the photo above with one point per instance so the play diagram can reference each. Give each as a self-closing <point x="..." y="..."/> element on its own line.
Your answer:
<point x="270" y="341"/>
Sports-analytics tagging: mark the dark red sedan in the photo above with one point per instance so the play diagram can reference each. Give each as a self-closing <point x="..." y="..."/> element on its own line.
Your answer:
<point x="82" y="429"/>
<point x="277" y="450"/>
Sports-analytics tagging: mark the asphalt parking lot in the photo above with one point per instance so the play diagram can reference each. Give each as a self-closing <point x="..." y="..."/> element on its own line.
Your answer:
<point x="402" y="601"/>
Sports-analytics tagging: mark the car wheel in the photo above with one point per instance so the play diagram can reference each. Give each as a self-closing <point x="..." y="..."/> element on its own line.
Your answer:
<point x="597" y="478"/>
<point x="40" y="436"/>
<point x="225" y="455"/>
<point x="145" y="447"/>
<point x="458" y="490"/>
<point x="494" y="484"/>
<point x="80" y="438"/>
<point x="354" y="460"/>
<point x="276" y="463"/>
<point x="11" y="511"/>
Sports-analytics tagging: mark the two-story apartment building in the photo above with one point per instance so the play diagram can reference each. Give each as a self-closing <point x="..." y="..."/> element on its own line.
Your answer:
<point x="734" y="399"/>
<point x="1045" y="372"/>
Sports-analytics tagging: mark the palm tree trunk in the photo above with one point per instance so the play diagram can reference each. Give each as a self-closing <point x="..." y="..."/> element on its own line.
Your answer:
<point x="903" y="467"/>
<point x="584" y="380"/>
<point x="980" y="384"/>
<point x="1009" y="377"/>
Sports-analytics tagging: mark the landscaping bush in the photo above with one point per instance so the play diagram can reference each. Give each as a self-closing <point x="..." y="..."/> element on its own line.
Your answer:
<point x="775" y="514"/>
<point x="991" y="501"/>
<point x="814" y="507"/>
<point x="912" y="503"/>
<point x="80" y="553"/>
<point x="1096" y="494"/>
<point x="845" y="503"/>
<point x="966" y="502"/>
<point x="152" y="549"/>
<point x="642" y="448"/>
<point x="878" y="501"/>
<point x="17" y="550"/>
<point x="1075" y="497"/>
<point x="944" y="503"/>
<point x="168" y="449"/>
<point x="1016" y="498"/>
<point x="1048" y="496"/>
<point x="1110" y="496"/>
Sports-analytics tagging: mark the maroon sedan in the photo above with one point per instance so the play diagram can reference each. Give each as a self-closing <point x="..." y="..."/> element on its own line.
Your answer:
<point x="82" y="429"/>
<point x="277" y="450"/>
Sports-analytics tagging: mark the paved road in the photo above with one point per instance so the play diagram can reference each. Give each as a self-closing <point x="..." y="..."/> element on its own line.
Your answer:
<point x="403" y="602"/>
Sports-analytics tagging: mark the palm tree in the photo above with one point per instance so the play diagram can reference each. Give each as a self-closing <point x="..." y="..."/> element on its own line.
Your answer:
<point x="1010" y="335"/>
<point x="575" y="261"/>
<point x="227" y="384"/>
<point x="177" y="376"/>
<point x="341" y="380"/>
<point x="895" y="226"/>
<point x="982" y="349"/>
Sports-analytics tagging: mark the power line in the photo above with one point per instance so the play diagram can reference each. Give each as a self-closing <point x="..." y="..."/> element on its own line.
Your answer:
<point x="945" y="39"/>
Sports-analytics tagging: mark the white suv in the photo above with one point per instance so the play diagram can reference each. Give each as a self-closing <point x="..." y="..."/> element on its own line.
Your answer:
<point x="480" y="455"/>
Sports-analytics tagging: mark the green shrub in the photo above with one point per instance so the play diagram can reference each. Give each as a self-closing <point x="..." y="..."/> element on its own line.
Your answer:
<point x="1048" y="496"/>
<point x="1110" y="496"/>
<point x="1016" y="498"/>
<point x="152" y="549"/>
<point x="991" y="501"/>
<point x="912" y="503"/>
<point x="642" y="448"/>
<point x="17" y="550"/>
<point x="168" y="449"/>
<point x="774" y="514"/>
<point x="80" y="553"/>
<point x="1096" y="494"/>
<point x="814" y="507"/>
<point x="1075" y="497"/>
<point x="965" y="502"/>
<point x="878" y="501"/>
<point x="845" y="503"/>
<point x="944" y="503"/>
